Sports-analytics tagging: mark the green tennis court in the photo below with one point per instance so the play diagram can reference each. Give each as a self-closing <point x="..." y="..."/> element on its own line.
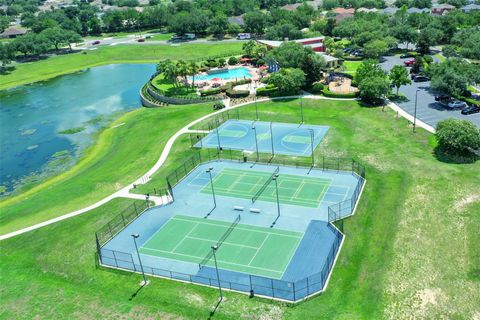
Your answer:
<point x="249" y="249"/>
<point x="296" y="190"/>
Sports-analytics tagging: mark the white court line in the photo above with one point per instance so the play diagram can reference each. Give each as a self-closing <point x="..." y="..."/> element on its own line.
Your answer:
<point x="225" y="242"/>
<point x="258" y="249"/>
<point x="185" y="237"/>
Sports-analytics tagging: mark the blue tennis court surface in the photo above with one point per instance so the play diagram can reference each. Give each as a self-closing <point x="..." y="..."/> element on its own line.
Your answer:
<point x="287" y="138"/>
<point x="288" y="260"/>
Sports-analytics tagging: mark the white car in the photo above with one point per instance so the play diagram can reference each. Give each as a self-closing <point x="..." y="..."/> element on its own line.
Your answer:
<point x="457" y="104"/>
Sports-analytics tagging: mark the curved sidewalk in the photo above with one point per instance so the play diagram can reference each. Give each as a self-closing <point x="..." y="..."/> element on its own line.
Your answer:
<point x="124" y="192"/>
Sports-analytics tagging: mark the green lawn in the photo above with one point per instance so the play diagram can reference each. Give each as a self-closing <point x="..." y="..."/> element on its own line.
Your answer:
<point x="411" y="250"/>
<point x="55" y="66"/>
<point x="169" y="88"/>
<point x="351" y="66"/>
<point x="121" y="155"/>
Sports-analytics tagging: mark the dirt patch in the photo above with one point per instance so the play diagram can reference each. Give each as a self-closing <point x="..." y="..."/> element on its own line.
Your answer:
<point x="195" y="299"/>
<point x="462" y="203"/>
<point x="428" y="297"/>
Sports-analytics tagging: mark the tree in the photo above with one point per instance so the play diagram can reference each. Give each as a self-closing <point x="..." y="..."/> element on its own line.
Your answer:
<point x="458" y="137"/>
<point x="281" y="32"/>
<point x="255" y="21"/>
<point x="288" y="80"/>
<point x="375" y="49"/>
<point x="219" y="26"/>
<point x="7" y="54"/>
<point x="404" y="33"/>
<point x="54" y="36"/>
<point x="399" y="76"/>
<point x="372" y="81"/>
<point x="426" y="38"/>
<point x="193" y="69"/>
<point x="4" y="23"/>
<point x="249" y="47"/>
<point x="453" y="76"/>
<point x="30" y="44"/>
<point x="70" y="37"/>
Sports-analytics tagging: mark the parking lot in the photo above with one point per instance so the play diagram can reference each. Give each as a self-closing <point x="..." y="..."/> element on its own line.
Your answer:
<point x="428" y="110"/>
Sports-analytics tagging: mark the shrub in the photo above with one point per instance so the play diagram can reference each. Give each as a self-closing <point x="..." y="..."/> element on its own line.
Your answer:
<point x="260" y="62"/>
<point x="237" y="93"/>
<point x="458" y="137"/>
<point x="222" y="62"/>
<point x="267" y="91"/>
<point x="210" y="92"/>
<point x="212" y="63"/>
<point x="317" y="87"/>
<point x="330" y="94"/>
<point x="232" y="61"/>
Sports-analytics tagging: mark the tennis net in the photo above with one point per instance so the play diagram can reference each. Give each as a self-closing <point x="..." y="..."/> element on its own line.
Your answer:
<point x="265" y="185"/>
<point x="219" y="242"/>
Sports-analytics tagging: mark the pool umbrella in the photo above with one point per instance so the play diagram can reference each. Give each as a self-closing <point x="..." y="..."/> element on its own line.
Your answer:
<point x="216" y="79"/>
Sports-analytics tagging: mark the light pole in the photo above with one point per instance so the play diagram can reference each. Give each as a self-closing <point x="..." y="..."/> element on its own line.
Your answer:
<point x="271" y="138"/>
<point x="214" y="249"/>
<point x="274" y="178"/>
<point x="311" y="145"/>
<point x="256" y="141"/>
<point x="256" y="106"/>
<point x="209" y="171"/>
<point x="218" y="138"/>
<point x="145" y="281"/>
<point x="301" y="108"/>
<point x="415" y="112"/>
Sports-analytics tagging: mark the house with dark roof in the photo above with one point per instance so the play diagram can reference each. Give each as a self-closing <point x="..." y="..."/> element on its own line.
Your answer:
<point x="12" y="32"/>
<point x="470" y="7"/>
<point x="441" y="9"/>
<point x="389" y="10"/>
<point x="238" y="20"/>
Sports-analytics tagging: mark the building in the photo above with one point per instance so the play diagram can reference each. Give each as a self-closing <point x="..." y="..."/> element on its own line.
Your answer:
<point x="366" y="10"/>
<point x="291" y="7"/>
<point x="470" y="7"/>
<point x="238" y="20"/>
<point x="416" y="10"/>
<point x="315" y="43"/>
<point x="389" y="10"/>
<point x="441" y="9"/>
<point x="12" y="32"/>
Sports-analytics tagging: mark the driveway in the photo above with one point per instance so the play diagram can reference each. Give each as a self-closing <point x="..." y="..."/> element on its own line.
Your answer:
<point x="428" y="110"/>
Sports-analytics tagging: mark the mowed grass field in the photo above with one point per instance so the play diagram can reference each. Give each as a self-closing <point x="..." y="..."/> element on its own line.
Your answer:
<point x="44" y="69"/>
<point x="411" y="250"/>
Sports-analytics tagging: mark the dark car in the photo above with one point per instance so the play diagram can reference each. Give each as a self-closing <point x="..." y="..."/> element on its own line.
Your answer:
<point x="96" y="42"/>
<point x="442" y="96"/>
<point x="471" y="109"/>
<point x="406" y="55"/>
<point x="141" y="40"/>
<point x="421" y="79"/>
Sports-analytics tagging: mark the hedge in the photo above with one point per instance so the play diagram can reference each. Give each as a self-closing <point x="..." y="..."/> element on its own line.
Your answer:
<point x="237" y="93"/>
<point x="230" y="85"/>
<point x="317" y="87"/>
<point x="330" y="94"/>
<point x="210" y="92"/>
<point x="267" y="91"/>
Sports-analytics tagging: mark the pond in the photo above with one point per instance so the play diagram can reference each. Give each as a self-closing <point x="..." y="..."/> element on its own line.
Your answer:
<point x="45" y="126"/>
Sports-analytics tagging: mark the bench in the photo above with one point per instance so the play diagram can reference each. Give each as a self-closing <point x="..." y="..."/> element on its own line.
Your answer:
<point x="254" y="210"/>
<point x="238" y="208"/>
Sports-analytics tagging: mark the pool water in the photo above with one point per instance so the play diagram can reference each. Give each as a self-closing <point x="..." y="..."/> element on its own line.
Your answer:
<point x="226" y="75"/>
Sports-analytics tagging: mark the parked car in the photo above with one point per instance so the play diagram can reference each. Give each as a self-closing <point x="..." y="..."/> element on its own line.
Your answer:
<point x="176" y="37"/>
<point x="457" y="104"/>
<point x="189" y="36"/>
<point x="96" y="42"/>
<point x="218" y="106"/>
<point x="442" y="96"/>
<point x="471" y="109"/>
<point x="421" y="79"/>
<point x="406" y="55"/>
<point x="244" y="36"/>
<point x="409" y="63"/>
<point x="141" y="40"/>
<point x="148" y="37"/>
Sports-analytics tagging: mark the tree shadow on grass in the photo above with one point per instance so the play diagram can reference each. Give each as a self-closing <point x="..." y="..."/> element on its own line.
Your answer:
<point x="447" y="157"/>
<point x="6" y="70"/>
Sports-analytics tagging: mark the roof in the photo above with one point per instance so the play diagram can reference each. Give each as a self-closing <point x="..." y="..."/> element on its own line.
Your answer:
<point x="310" y="39"/>
<point x="343" y="10"/>
<point x="340" y="17"/>
<point x="276" y="43"/>
<point x="237" y="20"/>
<point x="470" y="7"/>
<point x="416" y="10"/>
<point x="390" y="10"/>
<point x="12" y="31"/>
<point x="328" y="58"/>
<point x="291" y="7"/>
<point x="443" y="6"/>
<point x="270" y="43"/>
<point x="367" y="10"/>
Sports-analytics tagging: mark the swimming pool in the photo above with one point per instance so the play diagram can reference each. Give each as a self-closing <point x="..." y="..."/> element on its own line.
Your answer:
<point x="225" y="75"/>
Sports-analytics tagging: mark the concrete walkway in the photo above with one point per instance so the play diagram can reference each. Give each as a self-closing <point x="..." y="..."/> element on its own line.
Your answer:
<point x="124" y="192"/>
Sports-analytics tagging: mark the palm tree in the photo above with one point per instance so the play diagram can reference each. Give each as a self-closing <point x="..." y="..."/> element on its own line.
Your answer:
<point x="193" y="69"/>
<point x="171" y="72"/>
<point x="182" y="69"/>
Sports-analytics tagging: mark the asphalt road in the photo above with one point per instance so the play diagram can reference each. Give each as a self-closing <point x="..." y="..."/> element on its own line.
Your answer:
<point x="428" y="110"/>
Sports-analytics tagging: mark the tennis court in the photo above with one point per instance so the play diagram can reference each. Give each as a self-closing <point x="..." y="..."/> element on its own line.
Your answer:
<point x="258" y="185"/>
<point x="249" y="249"/>
<point x="268" y="137"/>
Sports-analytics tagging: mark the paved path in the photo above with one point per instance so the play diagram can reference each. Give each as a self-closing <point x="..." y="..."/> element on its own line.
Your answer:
<point x="124" y="192"/>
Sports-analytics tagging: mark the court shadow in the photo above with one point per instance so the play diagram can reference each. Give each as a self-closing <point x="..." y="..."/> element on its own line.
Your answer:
<point x="135" y="293"/>
<point x="212" y="313"/>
